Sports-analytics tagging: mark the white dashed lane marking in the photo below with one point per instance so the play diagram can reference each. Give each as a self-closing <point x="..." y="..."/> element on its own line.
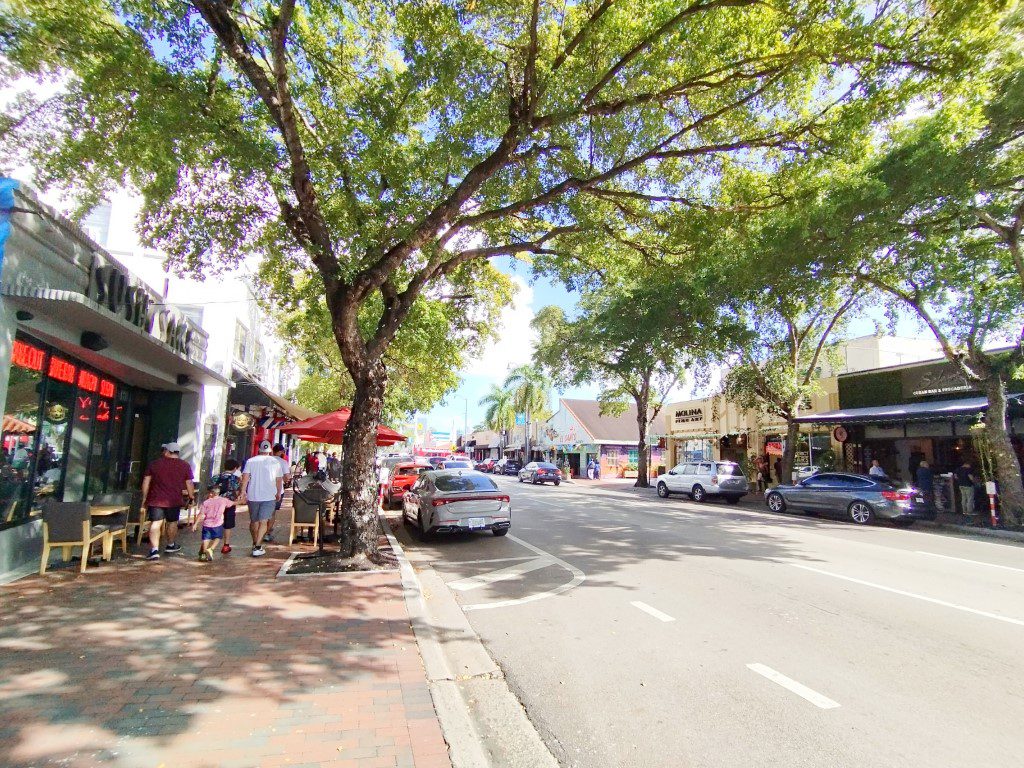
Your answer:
<point x="651" y="611"/>
<point x="817" y="699"/>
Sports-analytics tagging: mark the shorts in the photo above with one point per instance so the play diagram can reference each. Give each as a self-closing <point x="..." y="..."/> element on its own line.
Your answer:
<point x="211" y="534"/>
<point x="170" y="514"/>
<point x="229" y="518"/>
<point x="261" y="511"/>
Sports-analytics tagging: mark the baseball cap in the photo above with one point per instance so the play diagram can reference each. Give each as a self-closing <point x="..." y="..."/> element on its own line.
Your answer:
<point x="171" y="447"/>
<point x="265" y="447"/>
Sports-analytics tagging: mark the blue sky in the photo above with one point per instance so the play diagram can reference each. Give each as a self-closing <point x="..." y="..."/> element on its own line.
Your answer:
<point x="514" y="347"/>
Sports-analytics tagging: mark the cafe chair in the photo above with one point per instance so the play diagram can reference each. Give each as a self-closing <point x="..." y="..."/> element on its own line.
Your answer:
<point x="305" y="514"/>
<point x="137" y="519"/>
<point x="68" y="525"/>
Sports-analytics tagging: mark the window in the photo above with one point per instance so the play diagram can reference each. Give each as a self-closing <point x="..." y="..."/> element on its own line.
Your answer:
<point x="241" y="342"/>
<point x="463" y="483"/>
<point x="679" y="469"/>
<point x="705" y="469"/>
<point x="729" y="470"/>
<point x="689" y="469"/>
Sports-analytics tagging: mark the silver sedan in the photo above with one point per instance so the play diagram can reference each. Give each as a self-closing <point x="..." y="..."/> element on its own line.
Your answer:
<point x="857" y="498"/>
<point x="455" y="501"/>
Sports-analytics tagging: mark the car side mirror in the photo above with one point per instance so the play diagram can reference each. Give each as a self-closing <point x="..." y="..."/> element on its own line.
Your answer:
<point x="671" y="471"/>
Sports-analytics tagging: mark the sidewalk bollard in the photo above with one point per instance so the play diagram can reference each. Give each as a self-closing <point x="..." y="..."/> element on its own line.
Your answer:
<point x="990" y="489"/>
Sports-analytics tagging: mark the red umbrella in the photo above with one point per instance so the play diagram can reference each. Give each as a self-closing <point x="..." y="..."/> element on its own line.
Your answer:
<point x="330" y="428"/>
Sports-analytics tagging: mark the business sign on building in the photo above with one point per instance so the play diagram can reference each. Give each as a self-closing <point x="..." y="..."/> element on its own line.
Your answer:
<point x="688" y="415"/>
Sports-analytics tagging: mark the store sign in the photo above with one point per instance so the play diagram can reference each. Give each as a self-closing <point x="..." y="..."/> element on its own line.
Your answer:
<point x="934" y="380"/>
<point x="840" y="434"/>
<point x="26" y="356"/>
<point x="242" y="421"/>
<point x="688" y="415"/>
<point x="128" y="297"/>
<point x="61" y="370"/>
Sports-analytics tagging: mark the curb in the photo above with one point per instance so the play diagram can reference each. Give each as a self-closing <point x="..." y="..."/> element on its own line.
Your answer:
<point x="483" y="723"/>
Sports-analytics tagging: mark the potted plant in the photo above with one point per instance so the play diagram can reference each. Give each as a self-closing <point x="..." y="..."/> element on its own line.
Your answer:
<point x="629" y="470"/>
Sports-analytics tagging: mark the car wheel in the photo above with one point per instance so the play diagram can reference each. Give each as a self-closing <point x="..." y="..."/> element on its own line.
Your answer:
<point x="520" y="478"/>
<point x="424" y="534"/>
<point x="860" y="513"/>
<point x="663" y="490"/>
<point x="535" y="481"/>
<point x="499" y="531"/>
<point x="698" y="493"/>
<point x="775" y="502"/>
<point x="557" y="482"/>
<point x="732" y="499"/>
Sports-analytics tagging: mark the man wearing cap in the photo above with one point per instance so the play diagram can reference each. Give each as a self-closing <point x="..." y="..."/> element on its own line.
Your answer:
<point x="165" y="485"/>
<point x="262" y="486"/>
<point x="286" y="468"/>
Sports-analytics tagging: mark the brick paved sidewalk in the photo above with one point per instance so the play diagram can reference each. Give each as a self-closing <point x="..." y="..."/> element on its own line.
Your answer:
<point x="222" y="665"/>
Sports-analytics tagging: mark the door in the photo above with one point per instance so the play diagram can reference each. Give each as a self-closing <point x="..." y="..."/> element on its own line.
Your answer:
<point x="806" y="493"/>
<point x="675" y="481"/>
<point x="702" y="476"/>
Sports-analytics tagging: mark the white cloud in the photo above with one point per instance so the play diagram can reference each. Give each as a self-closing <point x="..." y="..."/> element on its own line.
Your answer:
<point x="516" y="339"/>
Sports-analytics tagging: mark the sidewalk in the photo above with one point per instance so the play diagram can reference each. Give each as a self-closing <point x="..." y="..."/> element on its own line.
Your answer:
<point x="185" y="664"/>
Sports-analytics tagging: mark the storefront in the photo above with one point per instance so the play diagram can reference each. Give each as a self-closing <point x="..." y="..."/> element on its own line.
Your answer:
<point x="256" y="414"/>
<point x="96" y="374"/>
<point x="904" y="414"/>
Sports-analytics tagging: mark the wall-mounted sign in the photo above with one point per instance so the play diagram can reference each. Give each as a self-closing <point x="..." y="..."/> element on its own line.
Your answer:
<point x="687" y="415"/>
<point x="128" y="297"/>
<point x="840" y="434"/>
<point x="242" y="422"/>
<point x="56" y="413"/>
<point x="933" y="380"/>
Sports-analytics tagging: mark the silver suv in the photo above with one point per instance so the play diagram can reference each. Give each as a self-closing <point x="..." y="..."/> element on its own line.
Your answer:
<point x="700" y="479"/>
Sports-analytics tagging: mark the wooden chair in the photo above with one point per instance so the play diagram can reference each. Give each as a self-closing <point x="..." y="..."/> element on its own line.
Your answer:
<point x="118" y="524"/>
<point x="68" y="525"/>
<point x="305" y="514"/>
<point x="137" y="518"/>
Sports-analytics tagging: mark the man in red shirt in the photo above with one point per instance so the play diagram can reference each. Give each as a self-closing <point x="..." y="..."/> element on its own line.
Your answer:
<point x="167" y="481"/>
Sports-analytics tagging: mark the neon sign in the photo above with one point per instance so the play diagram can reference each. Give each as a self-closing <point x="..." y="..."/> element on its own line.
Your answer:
<point x="106" y="388"/>
<point x="26" y="356"/>
<point x="88" y="381"/>
<point x="103" y="410"/>
<point x="61" y="370"/>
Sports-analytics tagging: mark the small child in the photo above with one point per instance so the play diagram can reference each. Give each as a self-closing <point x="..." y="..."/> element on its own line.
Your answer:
<point x="211" y="516"/>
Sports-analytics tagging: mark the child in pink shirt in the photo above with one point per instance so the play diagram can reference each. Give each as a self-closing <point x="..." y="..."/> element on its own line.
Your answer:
<point x="211" y="516"/>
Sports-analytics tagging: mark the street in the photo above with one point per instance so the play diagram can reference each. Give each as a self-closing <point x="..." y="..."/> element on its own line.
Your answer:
<point x="646" y="632"/>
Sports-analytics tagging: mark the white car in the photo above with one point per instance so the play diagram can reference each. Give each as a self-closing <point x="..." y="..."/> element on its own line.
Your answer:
<point x="802" y="473"/>
<point x="701" y="479"/>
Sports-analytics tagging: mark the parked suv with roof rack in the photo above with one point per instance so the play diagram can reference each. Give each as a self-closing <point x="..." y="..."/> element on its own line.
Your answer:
<point x="702" y="479"/>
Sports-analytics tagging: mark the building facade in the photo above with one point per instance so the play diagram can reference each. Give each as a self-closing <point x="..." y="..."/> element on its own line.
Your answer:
<point x="97" y="371"/>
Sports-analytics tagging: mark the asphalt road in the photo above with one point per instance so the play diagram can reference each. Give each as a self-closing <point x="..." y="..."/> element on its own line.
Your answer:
<point x="646" y="632"/>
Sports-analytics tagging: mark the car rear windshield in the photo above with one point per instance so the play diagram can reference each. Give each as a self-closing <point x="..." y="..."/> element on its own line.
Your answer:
<point x="544" y="465"/>
<point x="457" y="465"/>
<point x="457" y="483"/>
<point x="729" y="469"/>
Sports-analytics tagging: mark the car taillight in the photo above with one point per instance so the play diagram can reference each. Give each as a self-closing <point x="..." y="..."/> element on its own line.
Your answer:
<point x="442" y="502"/>
<point x="714" y="479"/>
<point x="897" y="495"/>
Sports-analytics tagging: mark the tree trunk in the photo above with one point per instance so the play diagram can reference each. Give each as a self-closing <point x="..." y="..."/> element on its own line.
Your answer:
<point x="789" y="452"/>
<point x="997" y="437"/>
<point x="358" y="474"/>
<point x="643" y="479"/>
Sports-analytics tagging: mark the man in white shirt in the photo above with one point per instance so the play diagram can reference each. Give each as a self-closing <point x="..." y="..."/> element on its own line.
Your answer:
<point x="876" y="470"/>
<point x="262" y="487"/>
<point x="286" y="468"/>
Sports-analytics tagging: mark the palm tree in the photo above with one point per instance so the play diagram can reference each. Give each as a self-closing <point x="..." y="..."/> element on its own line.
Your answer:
<point x="501" y="411"/>
<point x="530" y="387"/>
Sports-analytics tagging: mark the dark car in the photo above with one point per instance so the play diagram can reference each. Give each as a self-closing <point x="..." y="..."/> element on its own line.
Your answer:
<point x="511" y="467"/>
<point x="540" y="472"/>
<point x="858" y="498"/>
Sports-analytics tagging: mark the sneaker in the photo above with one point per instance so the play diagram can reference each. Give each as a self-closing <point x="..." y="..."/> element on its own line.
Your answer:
<point x="154" y="554"/>
<point x="172" y="548"/>
<point x="202" y="557"/>
<point x="258" y="551"/>
<point x="225" y="549"/>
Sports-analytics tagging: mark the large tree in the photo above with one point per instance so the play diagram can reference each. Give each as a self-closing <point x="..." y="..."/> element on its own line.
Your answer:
<point x="384" y="145"/>
<point x="500" y="413"/>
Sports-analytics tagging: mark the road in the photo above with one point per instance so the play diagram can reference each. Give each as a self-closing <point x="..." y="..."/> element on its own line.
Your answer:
<point x="645" y="632"/>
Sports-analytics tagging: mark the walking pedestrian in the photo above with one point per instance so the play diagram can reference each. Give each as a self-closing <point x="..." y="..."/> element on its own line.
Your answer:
<point x="165" y="484"/>
<point x="925" y="484"/>
<point x="778" y="470"/>
<point x="597" y="469"/>
<point x="965" y="481"/>
<point x="286" y="474"/>
<point x="590" y="470"/>
<point x="211" y="517"/>
<point x="383" y="481"/>
<point x="262" y="486"/>
<point x="760" y="468"/>
<point x="230" y="482"/>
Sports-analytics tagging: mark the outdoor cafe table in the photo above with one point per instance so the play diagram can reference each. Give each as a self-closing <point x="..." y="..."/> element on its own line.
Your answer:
<point x="107" y="510"/>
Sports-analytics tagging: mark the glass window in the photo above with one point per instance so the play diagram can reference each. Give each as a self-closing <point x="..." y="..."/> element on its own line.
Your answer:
<point x="705" y="469"/>
<point x="729" y="470"/>
<point x="459" y="483"/>
<point x="689" y="469"/>
<point x="678" y="468"/>
<point x="21" y="455"/>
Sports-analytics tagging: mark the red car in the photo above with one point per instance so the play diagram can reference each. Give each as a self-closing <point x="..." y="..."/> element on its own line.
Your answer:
<point x="402" y="478"/>
<point x="487" y="465"/>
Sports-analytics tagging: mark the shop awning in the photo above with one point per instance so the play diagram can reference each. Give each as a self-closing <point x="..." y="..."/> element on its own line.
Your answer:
<point x="15" y="426"/>
<point x="937" y="410"/>
<point x="133" y="355"/>
<point x="292" y="410"/>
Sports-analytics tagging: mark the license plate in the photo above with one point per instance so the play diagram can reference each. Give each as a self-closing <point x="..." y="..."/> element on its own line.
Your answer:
<point x="475" y="522"/>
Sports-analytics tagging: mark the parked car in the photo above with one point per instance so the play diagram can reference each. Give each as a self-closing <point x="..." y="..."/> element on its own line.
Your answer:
<point x="486" y="465"/>
<point x="435" y="460"/>
<point x="454" y="464"/>
<point x="455" y="501"/>
<point x="802" y="473"/>
<point x="540" y="472"/>
<point x="857" y="498"/>
<point x="701" y="479"/>
<point x="510" y="467"/>
<point x="403" y="476"/>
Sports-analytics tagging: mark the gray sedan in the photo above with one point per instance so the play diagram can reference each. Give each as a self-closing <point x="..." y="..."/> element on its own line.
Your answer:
<point x="857" y="498"/>
<point x="456" y="501"/>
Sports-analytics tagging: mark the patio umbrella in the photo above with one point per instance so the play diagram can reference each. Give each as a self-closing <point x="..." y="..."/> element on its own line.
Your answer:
<point x="16" y="426"/>
<point x="330" y="428"/>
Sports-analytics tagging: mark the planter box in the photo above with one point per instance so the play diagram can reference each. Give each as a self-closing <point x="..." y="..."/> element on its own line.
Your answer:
<point x="627" y="473"/>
